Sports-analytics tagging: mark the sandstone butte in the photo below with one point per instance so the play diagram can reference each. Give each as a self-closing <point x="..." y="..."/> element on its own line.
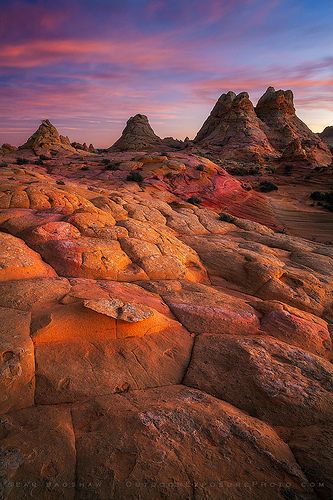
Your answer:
<point x="151" y="347"/>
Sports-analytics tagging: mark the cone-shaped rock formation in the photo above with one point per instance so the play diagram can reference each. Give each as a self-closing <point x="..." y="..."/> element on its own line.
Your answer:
<point x="47" y="138"/>
<point x="234" y="127"/>
<point x="327" y="136"/>
<point x="286" y="132"/>
<point x="137" y="136"/>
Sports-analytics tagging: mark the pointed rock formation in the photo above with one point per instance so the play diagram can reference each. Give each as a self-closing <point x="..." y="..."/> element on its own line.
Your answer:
<point x="137" y="136"/>
<point x="7" y="148"/>
<point x="286" y="132"/>
<point x="172" y="143"/>
<point x="46" y="139"/>
<point x="235" y="129"/>
<point x="327" y="136"/>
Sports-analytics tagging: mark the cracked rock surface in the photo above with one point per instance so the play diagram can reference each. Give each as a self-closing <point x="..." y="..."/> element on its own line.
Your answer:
<point x="151" y="350"/>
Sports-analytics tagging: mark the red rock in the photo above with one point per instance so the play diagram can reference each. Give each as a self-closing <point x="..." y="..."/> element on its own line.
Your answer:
<point x="18" y="261"/>
<point x="47" y="138"/>
<point x="269" y="379"/>
<point x="235" y="130"/>
<point x="16" y="361"/>
<point x="286" y="132"/>
<point x="137" y="136"/>
<point x="38" y="453"/>
<point x="175" y="442"/>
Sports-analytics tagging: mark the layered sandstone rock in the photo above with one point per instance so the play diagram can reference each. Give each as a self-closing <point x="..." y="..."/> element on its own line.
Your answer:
<point x="7" y="149"/>
<point x="137" y="136"/>
<point x="286" y="132"/>
<point x="327" y="136"/>
<point x="46" y="139"/>
<point x="234" y="128"/>
<point x="149" y="347"/>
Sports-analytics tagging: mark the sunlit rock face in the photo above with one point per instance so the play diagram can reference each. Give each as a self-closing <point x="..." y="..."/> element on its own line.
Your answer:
<point x="151" y="345"/>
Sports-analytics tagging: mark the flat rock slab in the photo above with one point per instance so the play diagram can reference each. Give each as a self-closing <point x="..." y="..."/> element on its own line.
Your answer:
<point x="17" y="366"/>
<point x="176" y="442"/>
<point x="115" y="308"/>
<point x="269" y="379"/>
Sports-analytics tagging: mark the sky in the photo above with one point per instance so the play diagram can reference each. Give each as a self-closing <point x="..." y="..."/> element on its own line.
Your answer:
<point x="88" y="65"/>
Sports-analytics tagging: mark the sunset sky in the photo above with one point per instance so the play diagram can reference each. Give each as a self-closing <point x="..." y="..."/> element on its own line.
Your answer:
<point x="88" y="65"/>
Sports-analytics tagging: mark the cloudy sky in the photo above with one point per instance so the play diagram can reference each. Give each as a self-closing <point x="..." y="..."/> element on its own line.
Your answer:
<point x="88" y="65"/>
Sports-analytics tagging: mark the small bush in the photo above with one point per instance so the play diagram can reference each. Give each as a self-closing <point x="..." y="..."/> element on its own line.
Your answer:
<point x="39" y="162"/>
<point x="287" y="169"/>
<point x="44" y="157"/>
<point x="225" y="217"/>
<point x="194" y="200"/>
<point x="267" y="187"/>
<point x="200" y="168"/>
<point x="21" y="161"/>
<point x="169" y="175"/>
<point x="243" y="170"/>
<point x="84" y="168"/>
<point x="319" y="196"/>
<point x="60" y="182"/>
<point x="134" y="177"/>
<point x="106" y="161"/>
<point x="111" y="166"/>
<point x="3" y="164"/>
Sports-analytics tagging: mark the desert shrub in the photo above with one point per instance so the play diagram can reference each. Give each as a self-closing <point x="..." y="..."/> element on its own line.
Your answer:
<point x="267" y="187"/>
<point x="329" y="197"/>
<point x="320" y="196"/>
<point x="194" y="200"/>
<point x="200" y="168"/>
<point x="60" y="182"/>
<point x="112" y="167"/>
<point x="106" y="161"/>
<point x="317" y="196"/>
<point x="3" y="164"/>
<point x="243" y="170"/>
<point x="84" y="168"/>
<point x="287" y="169"/>
<point x="169" y="175"/>
<point x="225" y="217"/>
<point x="134" y="176"/>
<point x="44" y="157"/>
<point x="21" y="161"/>
<point x="39" y="162"/>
